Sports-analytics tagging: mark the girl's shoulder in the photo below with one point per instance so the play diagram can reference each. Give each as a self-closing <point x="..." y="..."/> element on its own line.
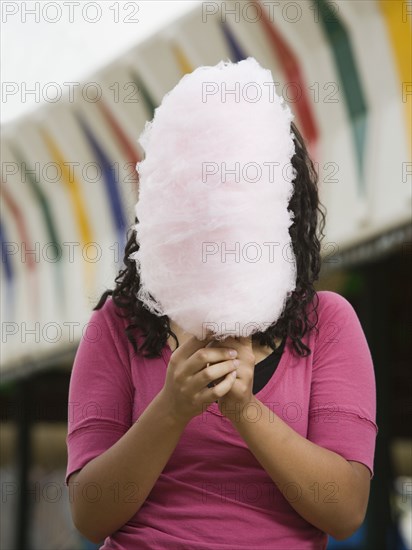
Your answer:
<point x="330" y="305"/>
<point x="111" y="313"/>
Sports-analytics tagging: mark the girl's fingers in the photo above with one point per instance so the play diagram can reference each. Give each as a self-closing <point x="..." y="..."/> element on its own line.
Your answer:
<point x="189" y="347"/>
<point x="204" y="356"/>
<point x="212" y="374"/>
<point x="220" y="389"/>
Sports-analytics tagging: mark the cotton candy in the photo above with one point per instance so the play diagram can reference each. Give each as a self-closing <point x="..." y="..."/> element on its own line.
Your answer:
<point x="215" y="253"/>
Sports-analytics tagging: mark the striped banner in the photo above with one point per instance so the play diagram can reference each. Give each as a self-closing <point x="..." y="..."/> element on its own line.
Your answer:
<point x="339" y="42"/>
<point x="50" y="225"/>
<point x="294" y="76"/>
<point x="148" y="100"/>
<point x="12" y="205"/>
<point x="123" y="141"/>
<point x="77" y="202"/>
<point x="181" y="59"/>
<point x="236" y="51"/>
<point x="111" y="185"/>
<point x="8" y="271"/>
<point x="397" y="15"/>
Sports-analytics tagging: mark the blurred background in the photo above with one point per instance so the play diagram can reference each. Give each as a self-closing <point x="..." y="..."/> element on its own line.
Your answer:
<point x="79" y="81"/>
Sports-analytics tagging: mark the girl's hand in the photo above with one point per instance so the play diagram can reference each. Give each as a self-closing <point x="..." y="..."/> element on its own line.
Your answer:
<point x="192" y="367"/>
<point x="232" y="403"/>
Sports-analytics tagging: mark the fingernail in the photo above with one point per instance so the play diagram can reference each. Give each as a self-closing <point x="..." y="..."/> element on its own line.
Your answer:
<point x="236" y="362"/>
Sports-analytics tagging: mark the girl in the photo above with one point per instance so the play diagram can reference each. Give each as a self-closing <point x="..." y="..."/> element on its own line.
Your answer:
<point x="264" y="442"/>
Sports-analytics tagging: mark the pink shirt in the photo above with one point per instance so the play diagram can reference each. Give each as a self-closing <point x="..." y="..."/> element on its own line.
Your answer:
<point x="213" y="494"/>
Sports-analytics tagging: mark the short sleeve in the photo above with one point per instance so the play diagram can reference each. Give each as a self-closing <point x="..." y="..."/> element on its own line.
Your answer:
<point x="342" y="411"/>
<point x="100" y="391"/>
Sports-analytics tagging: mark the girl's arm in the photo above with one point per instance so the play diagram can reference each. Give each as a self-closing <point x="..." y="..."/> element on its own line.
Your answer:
<point x="327" y="490"/>
<point x="125" y="473"/>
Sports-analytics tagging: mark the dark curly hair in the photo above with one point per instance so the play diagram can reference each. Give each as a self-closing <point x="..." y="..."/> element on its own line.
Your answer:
<point x="294" y="322"/>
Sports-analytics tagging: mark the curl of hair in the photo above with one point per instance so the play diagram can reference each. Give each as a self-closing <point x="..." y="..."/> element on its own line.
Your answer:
<point x="309" y="217"/>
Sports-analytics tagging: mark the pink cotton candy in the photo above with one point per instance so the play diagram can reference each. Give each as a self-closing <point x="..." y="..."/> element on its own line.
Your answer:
<point x="213" y="221"/>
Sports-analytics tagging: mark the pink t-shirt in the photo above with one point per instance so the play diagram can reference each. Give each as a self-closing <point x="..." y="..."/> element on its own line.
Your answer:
<point x="213" y="494"/>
